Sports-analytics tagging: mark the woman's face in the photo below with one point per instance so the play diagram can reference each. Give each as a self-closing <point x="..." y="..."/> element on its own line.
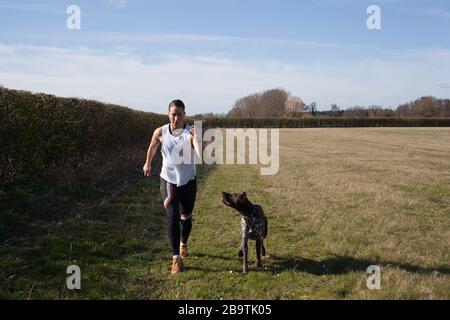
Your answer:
<point x="176" y="116"/>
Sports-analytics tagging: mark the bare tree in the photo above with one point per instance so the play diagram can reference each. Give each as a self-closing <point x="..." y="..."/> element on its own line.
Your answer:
<point x="426" y="107"/>
<point x="356" y="111"/>
<point x="334" y="107"/>
<point x="270" y="103"/>
<point x="236" y="111"/>
<point x="313" y="108"/>
<point x="251" y="103"/>
<point x="273" y="102"/>
<point x="246" y="107"/>
<point x="294" y="107"/>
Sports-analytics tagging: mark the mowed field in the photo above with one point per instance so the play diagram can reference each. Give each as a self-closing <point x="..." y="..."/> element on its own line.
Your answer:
<point x="343" y="199"/>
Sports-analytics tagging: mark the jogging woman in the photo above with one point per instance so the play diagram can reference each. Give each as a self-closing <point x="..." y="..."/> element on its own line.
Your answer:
<point x="178" y="185"/>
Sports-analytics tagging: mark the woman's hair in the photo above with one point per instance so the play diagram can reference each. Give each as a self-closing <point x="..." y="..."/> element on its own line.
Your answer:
<point x="177" y="103"/>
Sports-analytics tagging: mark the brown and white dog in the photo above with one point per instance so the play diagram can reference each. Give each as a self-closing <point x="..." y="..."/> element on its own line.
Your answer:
<point x="254" y="225"/>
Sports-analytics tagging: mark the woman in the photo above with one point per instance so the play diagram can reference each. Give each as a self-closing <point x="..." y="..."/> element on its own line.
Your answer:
<point x="178" y="178"/>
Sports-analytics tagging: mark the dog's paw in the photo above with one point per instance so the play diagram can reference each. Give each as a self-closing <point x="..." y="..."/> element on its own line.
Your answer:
<point x="240" y="253"/>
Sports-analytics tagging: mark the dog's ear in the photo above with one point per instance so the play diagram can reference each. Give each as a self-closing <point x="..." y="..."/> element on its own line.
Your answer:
<point x="244" y="193"/>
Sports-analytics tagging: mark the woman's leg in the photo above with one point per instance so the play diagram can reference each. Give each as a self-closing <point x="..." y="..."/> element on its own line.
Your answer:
<point x="187" y="201"/>
<point x="186" y="227"/>
<point x="171" y="204"/>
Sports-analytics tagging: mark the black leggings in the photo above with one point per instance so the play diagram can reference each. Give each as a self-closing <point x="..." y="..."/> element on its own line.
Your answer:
<point x="179" y="203"/>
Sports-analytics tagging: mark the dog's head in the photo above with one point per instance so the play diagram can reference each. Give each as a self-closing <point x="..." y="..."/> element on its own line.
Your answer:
<point x="238" y="201"/>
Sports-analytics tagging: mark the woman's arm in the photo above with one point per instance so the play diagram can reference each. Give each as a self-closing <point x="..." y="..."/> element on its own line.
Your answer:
<point x="154" y="144"/>
<point x="194" y="142"/>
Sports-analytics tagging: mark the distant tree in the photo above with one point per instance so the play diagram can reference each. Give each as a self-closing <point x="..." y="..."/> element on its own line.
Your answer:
<point x="379" y="111"/>
<point x="235" y="112"/>
<point x="270" y="103"/>
<point x="356" y="111"/>
<point x="294" y="107"/>
<point x="251" y="104"/>
<point x="334" y="108"/>
<point x="425" y="107"/>
<point x="313" y="108"/>
<point x="273" y="102"/>
<point x="444" y="108"/>
<point x="246" y="107"/>
<point x="278" y="102"/>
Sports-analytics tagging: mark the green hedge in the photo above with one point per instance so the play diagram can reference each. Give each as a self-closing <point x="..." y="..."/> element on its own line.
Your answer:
<point x="59" y="156"/>
<point x="319" y="122"/>
<point x="41" y="131"/>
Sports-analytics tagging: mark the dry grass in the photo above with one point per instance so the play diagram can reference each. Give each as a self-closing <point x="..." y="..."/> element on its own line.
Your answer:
<point x="343" y="199"/>
<point x="376" y="195"/>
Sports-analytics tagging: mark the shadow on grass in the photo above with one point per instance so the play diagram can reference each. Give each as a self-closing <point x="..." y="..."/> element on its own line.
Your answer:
<point x="191" y="268"/>
<point x="204" y="255"/>
<point x="113" y="242"/>
<point x="330" y="266"/>
<point x="343" y="264"/>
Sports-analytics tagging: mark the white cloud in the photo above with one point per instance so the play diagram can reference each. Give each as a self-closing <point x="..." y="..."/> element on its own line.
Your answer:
<point x="33" y="7"/>
<point x="117" y="3"/>
<point x="436" y="12"/>
<point x="213" y="83"/>
<point x="204" y="38"/>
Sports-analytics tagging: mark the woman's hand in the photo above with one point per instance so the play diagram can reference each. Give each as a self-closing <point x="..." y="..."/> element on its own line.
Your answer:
<point x="193" y="132"/>
<point x="195" y="143"/>
<point x="147" y="169"/>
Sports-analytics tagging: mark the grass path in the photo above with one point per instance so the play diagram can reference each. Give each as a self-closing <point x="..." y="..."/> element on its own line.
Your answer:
<point x="344" y="199"/>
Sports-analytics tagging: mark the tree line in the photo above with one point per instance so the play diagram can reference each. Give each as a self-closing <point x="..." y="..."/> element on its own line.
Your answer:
<point x="279" y="103"/>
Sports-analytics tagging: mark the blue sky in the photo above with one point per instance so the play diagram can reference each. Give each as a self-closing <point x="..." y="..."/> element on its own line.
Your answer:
<point x="144" y="53"/>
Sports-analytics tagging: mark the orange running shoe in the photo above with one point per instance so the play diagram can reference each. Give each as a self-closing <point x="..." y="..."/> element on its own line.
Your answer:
<point x="184" y="251"/>
<point x="177" y="265"/>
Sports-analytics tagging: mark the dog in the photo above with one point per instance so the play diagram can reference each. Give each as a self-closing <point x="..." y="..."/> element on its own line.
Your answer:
<point x="254" y="225"/>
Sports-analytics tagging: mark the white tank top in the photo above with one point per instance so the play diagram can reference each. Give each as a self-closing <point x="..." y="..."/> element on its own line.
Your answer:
<point x="178" y="165"/>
